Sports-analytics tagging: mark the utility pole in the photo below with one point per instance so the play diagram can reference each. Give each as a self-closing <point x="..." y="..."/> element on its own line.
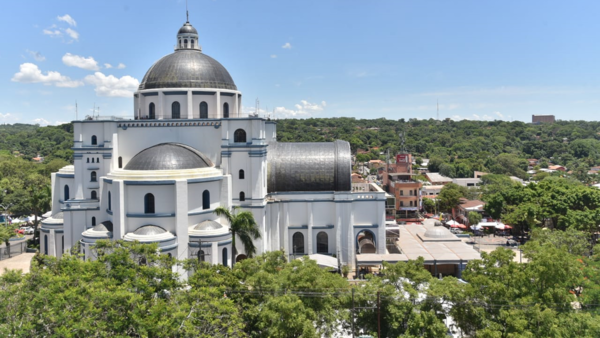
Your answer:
<point x="352" y="312"/>
<point x="379" y="314"/>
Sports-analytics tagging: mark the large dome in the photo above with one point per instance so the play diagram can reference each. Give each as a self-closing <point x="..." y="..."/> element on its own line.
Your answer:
<point x="169" y="156"/>
<point x="187" y="68"/>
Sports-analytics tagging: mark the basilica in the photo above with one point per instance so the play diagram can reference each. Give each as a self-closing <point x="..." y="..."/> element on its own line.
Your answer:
<point x="187" y="149"/>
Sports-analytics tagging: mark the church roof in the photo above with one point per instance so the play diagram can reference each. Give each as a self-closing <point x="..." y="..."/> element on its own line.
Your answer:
<point x="314" y="166"/>
<point x="187" y="68"/>
<point x="187" y="28"/>
<point x="169" y="156"/>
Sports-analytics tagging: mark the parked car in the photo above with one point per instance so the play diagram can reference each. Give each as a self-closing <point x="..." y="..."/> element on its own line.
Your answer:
<point x="19" y="231"/>
<point x="28" y="230"/>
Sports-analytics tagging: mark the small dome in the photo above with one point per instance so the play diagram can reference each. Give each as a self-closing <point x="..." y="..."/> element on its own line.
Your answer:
<point x="104" y="226"/>
<point x="149" y="230"/>
<point x="59" y="215"/>
<point x="438" y="232"/>
<point x="169" y="156"/>
<point x="187" y="28"/>
<point x="208" y="225"/>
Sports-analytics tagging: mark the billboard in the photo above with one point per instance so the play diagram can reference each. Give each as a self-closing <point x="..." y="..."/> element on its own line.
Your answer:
<point x="402" y="158"/>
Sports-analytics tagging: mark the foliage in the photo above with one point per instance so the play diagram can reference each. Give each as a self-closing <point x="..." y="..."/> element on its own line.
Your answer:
<point x="243" y="225"/>
<point x="474" y="217"/>
<point x="450" y="196"/>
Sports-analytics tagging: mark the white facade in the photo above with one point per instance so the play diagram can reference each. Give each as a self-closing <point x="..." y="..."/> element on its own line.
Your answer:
<point x="99" y="198"/>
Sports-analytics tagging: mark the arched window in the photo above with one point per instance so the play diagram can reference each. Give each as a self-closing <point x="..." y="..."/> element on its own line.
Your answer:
<point x="242" y="196"/>
<point x="45" y="244"/>
<point x="109" y="202"/>
<point x="225" y="110"/>
<point x="239" y="136"/>
<point x="120" y="162"/>
<point x="206" y="200"/>
<point x="93" y="221"/>
<point x="94" y="195"/>
<point x="93" y="160"/>
<point x="224" y="256"/>
<point x="192" y="41"/>
<point x="298" y="243"/>
<point x="322" y="242"/>
<point x="88" y="160"/>
<point x="94" y="140"/>
<point x="241" y="174"/>
<point x="180" y="45"/>
<point x="201" y="255"/>
<point x="66" y="197"/>
<point x="185" y="43"/>
<point x="203" y="110"/>
<point x="97" y="159"/>
<point x="149" y="204"/>
<point x="152" y="111"/>
<point x="93" y="176"/>
<point x="175" y="110"/>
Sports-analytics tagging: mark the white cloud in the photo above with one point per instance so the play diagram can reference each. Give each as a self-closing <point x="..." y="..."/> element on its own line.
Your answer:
<point x="273" y="56"/>
<point x="73" y="34"/>
<point x="52" y="33"/>
<point x="30" y="73"/>
<point x="41" y="122"/>
<point x="68" y="19"/>
<point x="36" y="55"/>
<point x="121" y="66"/>
<point x="108" y="66"/>
<point x="499" y="114"/>
<point x="112" y="86"/>
<point x="80" y="62"/>
<point x="476" y="116"/>
<point x="287" y="45"/>
<point x="303" y="109"/>
<point x="8" y="117"/>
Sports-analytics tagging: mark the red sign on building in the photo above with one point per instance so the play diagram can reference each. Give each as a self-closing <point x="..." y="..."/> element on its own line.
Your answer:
<point x="401" y="158"/>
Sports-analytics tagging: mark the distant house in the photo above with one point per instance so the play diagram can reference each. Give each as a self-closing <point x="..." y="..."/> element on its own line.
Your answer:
<point x="479" y="174"/>
<point x="466" y="206"/>
<point x="376" y="163"/>
<point x="436" y="178"/>
<point x="431" y="191"/>
<point x="467" y="182"/>
<point x="38" y="159"/>
<point x="557" y="168"/>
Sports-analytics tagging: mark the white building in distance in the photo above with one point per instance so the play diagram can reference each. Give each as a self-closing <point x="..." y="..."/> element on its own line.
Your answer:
<point x="158" y="177"/>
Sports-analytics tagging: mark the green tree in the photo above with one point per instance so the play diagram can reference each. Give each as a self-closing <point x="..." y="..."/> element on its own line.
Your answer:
<point x="450" y="196"/>
<point x="474" y="217"/>
<point x="243" y="225"/>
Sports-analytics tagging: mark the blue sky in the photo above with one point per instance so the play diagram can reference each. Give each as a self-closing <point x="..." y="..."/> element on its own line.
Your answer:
<point x="365" y="59"/>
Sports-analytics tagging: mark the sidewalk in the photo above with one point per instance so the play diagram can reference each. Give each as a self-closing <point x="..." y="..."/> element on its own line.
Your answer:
<point x="19" y="262"/>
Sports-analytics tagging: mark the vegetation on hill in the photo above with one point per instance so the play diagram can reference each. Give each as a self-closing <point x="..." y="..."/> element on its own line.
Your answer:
<point x="29" y="141"/>
<point x="131" y="290"/>
<point x="457" y="148"/>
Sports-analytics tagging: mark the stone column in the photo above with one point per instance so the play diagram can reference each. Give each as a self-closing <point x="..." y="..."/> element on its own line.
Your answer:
<point x="190" y="105"/>
<point x="309" y="232"/>
<point x="219" y="110"/>
<point x="160" y="113"/>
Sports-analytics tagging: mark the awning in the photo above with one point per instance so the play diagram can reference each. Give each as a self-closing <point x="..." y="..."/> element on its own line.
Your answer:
<point x="324" y="261"/>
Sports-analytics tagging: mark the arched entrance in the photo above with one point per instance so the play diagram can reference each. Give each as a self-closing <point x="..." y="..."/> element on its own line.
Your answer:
<point x="240" y="258"/>
<point x="366" y="242"/>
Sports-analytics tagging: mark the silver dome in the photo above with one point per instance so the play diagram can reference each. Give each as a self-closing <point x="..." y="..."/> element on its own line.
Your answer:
<point x="187" y="68"/>
<point x="149" y="230"/>
<point x="187" y="28"/>
<point x="438" y="232"/>
<point x="104" y="226"/>
<point x="208" y="225"/>
<point x="169" y="156"/>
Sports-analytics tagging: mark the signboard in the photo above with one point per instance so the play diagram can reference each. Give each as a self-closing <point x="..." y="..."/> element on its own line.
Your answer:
<point x="401" y="158"/>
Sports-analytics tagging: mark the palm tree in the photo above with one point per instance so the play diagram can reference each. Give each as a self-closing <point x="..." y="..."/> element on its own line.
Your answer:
<point x="243" y="225"/>
<point x="40" y="200"/>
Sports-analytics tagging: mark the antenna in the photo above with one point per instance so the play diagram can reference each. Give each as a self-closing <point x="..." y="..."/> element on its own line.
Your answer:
<point x="187" y="15"/>
<point x="402" y="142"/>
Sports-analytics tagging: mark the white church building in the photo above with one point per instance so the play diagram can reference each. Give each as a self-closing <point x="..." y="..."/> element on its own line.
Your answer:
<point x="159" y="176"/>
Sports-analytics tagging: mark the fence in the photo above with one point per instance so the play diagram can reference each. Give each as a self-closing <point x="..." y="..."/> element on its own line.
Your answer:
<point x="16" y="248"/>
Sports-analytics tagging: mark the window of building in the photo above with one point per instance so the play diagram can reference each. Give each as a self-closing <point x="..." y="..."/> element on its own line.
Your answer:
<point x="66" y="192"/>
<point x="239" y="136"/>
<point x="401" y="192"/>
<point x="152" y="111"/>
<point x="109" y="202"/>
<point x="206" y="200"/>
<point x="93" y="176"/>
<point x="185" y="43"/>
<point x="322" y="242"/>
<point x="298" y="243"/>
<point x="410" y="203"/>
<point x="45" y="244"/>
<point x="175" y="110"/>
<point x="401" y="203"/>
<point x="224" y="256"/>
<point x="242" y="196"/>
<point x="94" y="195"/>
<point x="88" y="160"/>
<point x="241" y="176"/>
<point x="97" y="159"/>
<point x="149" y="204"/>
<point x="93" y="160"/>
<point x="192" y="41"/>
<point x="120" y="162"/>
<point x="63" y="244"/>
<point x="203" y="110"/>
<point x="94" y="140"/>
<point x="93" y="221"/>
<point x="225" y="110"/>
<point x="410" y="192"/>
